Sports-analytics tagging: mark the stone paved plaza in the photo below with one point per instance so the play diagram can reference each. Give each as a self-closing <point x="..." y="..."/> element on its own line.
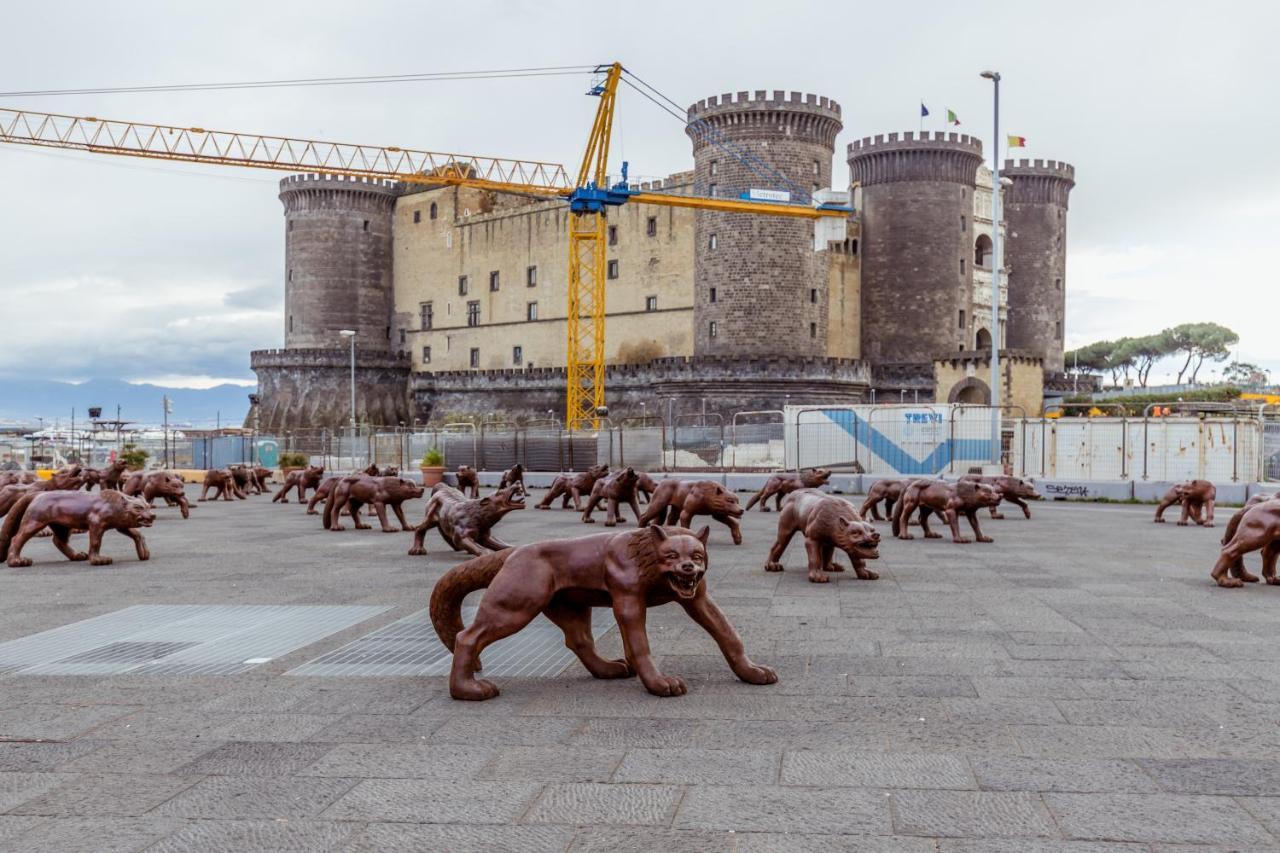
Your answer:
<point x="1077" y="686"/>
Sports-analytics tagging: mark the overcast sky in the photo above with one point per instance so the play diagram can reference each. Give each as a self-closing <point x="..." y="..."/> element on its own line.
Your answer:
<point x="168" y="272"/>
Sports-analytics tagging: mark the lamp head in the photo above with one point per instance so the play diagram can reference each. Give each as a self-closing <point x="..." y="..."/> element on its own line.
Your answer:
<point x="347" y="333"/>
<point x="991" y="75"/>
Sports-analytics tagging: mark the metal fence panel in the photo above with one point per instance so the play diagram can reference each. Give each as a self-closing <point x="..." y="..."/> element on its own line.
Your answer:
<point x="697" y="443"/>
<point x="757" y="441"/>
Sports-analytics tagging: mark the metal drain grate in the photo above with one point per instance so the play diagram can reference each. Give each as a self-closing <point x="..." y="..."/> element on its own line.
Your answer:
<point x="410" y="647"/>
<point x="187" y="639"/>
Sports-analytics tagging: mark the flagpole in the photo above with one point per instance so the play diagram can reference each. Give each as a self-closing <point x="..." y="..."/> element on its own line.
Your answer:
<point x="994" y="77"/>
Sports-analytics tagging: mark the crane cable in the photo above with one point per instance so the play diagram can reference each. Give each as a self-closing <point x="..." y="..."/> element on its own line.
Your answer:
<point x="703" y="129"/>
<point x="423" y="77"/>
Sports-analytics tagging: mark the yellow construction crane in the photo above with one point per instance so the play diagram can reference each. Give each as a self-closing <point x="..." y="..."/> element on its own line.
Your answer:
<point x="589" y="197"/>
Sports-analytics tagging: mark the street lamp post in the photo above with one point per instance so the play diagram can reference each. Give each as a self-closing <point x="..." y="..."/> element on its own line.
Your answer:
<point x="996" y="265"/>
<point x="350" y="334"/>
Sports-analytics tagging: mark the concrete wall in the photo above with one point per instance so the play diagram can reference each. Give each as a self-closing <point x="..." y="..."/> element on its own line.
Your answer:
<point x="475" y="233"/>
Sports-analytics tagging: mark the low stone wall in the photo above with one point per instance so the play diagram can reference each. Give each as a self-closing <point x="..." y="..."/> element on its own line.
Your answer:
<point x="665" y="386"/>
<point x="311" y="388"/>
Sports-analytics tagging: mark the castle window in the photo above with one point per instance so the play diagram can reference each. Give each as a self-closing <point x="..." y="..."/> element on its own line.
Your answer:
<point x="366" y="225"/>
<point x="475" y="356"/>
<point x="1057" y="284"/>
<point x="417" y="217"/>
<point x="613" y="235"/>
<point x="713" y="294"/>
<point x="961" y="318"/>
<point x="462" y="285"/>
<point x="817" y="170"/>
<point x="651" y="226"/>
<point x="1057" y="329"/>
<point x="426" y="355"/>
<point x="531" y="277"/>
<point x="517" y="355"/>
<point x="290" y="275"/>
<point x="473" y="312"/>
<point x="402" y="336"/>
<point x="711" y="190"/>
<point x="715" y="166"/>
<point x="982" y="252"/>
<point x="433" y="212"/>
<point x="493" y="281"/>
<point x="813" y="330"/>
<point x="612" y="269"/>
<point x="291" y="322"/>
<point x="854" y="248"/>
<point x="964" y="225"/>
<point x="651" y="303"/>
<point x="711" y="242"/>
<point x="962" y="266"/>
<point x="813" y="295"/>
<point x="712" y="329"/>
<point x="427" y="312"/>
<point x="531" y="311"/>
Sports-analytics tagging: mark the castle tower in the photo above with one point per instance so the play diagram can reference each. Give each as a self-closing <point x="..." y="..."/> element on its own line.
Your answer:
<point x="337" y="276"/>
<point x="337" y="260"/>
<point x="760" y="289"/>
<point x="917" y="242"/>
<point x="1035" y="211"/>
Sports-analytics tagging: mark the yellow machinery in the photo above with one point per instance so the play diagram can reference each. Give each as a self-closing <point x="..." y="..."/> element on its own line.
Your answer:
<point x="589" y="198"/>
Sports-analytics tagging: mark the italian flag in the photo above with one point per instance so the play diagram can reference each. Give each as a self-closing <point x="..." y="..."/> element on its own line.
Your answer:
<point x="1017" y="141"/>
<point x="952" y="118"/>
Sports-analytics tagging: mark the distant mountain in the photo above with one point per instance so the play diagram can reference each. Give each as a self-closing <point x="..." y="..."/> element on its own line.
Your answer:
<point x="22" y="400"/>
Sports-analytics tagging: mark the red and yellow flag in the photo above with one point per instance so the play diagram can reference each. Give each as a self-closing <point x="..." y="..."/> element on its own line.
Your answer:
<point x="1017" y="141"/>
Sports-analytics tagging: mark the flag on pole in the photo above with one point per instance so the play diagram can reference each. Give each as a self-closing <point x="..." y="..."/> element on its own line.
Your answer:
<point x="924" y="111"/>
<point x="1017" y="141"/>
<point x="952" y="118"/>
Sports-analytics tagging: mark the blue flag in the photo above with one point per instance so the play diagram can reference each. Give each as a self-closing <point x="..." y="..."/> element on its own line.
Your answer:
<point x="924" y="111"/>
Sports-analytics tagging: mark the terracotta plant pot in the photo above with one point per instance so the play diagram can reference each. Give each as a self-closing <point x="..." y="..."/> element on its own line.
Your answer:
<point x="285" y="472"/>
<point x="431" y="475"/>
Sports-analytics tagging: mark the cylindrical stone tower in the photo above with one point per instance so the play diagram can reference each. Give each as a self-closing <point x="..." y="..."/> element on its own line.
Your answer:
<point x="337" y="260"/>
<point x="917" y="242"/>
<point x="1035" y="213"/>
<point x="759" y="287"/>
<point x="337" y="276"/>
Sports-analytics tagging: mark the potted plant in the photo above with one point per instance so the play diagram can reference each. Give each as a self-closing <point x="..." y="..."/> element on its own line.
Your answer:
<point x="292" y="462"/>
<point x="432" y="467"/>
<point x="134" y="457"/>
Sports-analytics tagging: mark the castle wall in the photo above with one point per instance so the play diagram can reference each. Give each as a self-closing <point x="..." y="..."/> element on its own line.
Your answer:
<point x="916" y="241"/>
<point x="1021" y="373"/>
<point x="311" y="388"/>
<point x="475" y="234"/>
<point x="1036" y="213"/>
<point x="844" y="301"/>
<point x="675" y="385"/>
<point x="770" y="288"/>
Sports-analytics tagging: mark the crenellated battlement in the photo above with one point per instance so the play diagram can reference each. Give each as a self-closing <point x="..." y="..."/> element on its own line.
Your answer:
<point x="329" y="192"/>
<point x="338" y="357"/>
<point x="1039" y="181"/>
<point x="927" y="140"/>
<point x="796" y="116"/>
<point x="762" y="100"/>
<point x="938" y="156"/>
<point x="1052" y="168"/>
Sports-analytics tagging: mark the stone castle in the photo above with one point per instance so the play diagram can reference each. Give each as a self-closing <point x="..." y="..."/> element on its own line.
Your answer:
<point x="458" y="296"/>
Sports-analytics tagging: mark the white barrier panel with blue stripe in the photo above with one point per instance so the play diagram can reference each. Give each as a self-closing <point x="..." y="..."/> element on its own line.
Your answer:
<point x="909" y="439"/>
